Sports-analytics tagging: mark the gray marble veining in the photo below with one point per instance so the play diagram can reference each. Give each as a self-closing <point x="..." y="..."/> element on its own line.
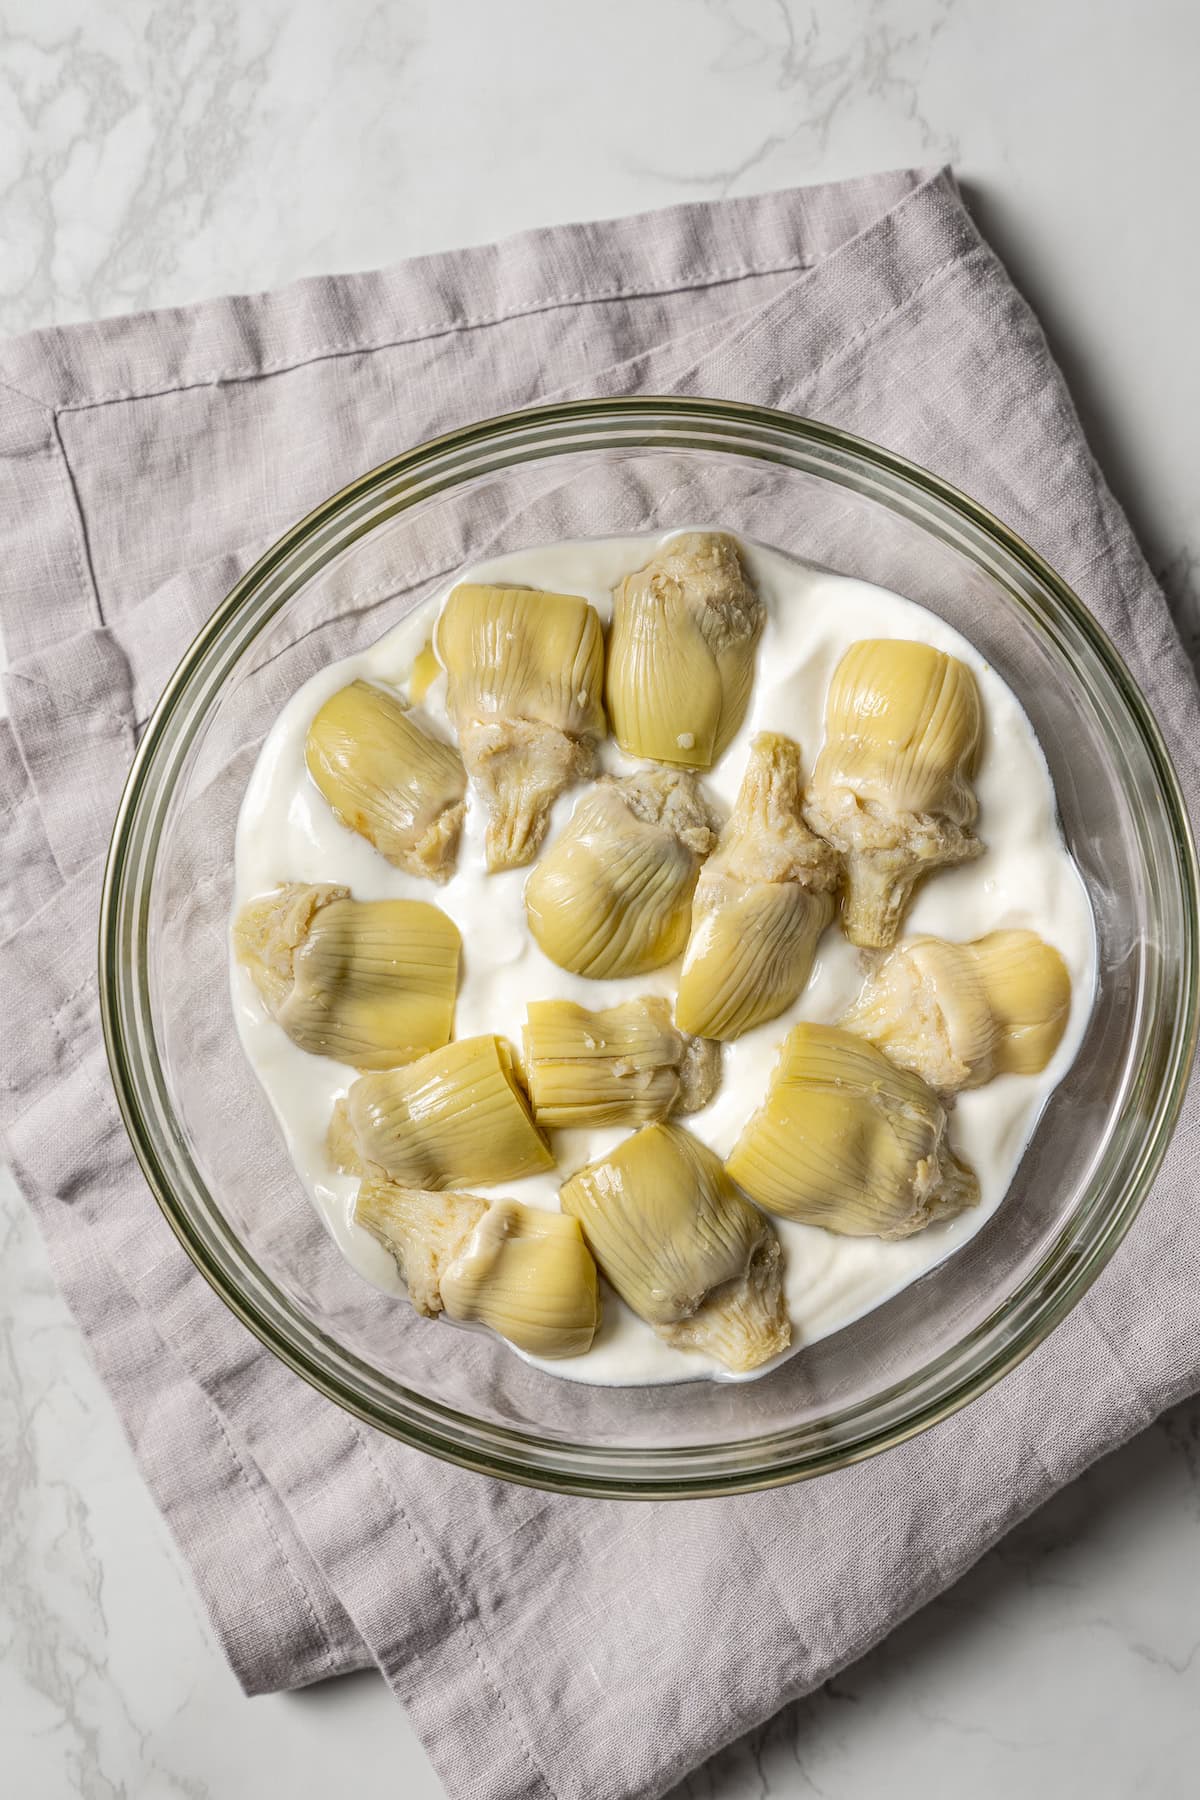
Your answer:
<point x="162" y="150"/>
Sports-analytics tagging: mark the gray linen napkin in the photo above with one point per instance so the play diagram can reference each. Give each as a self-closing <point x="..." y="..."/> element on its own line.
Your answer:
<point x="543" y="1646"/>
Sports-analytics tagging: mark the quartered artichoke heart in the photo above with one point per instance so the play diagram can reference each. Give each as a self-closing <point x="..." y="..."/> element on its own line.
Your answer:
<point x="762" y="901"/>
<point x="386" y="778"/>
<point x="845" y="1140"/>
<point x="622" y="1065"/>
<point x="370" y="983"/>
<point x="681" y="651"/>
<point x="957" y="1014"/>
<point x="612" y="895"/>
<point x="524" y="1273"/>
<point x="683" y="1248"/>
<point x="891" y="789"/>
<point x="525" y="691"/>
<point x="455" y="1117"/>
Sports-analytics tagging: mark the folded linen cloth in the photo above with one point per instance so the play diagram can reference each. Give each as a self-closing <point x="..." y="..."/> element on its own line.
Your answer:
<point x="144" y="462"/>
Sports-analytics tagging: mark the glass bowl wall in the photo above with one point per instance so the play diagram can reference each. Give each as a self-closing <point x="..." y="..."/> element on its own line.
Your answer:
<point x="208" y="1142"/>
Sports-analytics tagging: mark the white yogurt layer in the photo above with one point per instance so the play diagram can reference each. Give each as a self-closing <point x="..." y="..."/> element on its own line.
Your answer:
<point x="1025" y="877"/>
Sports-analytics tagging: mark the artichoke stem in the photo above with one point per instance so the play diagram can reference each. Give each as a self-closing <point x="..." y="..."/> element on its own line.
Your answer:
<point x="875" y="898"/>
<point x="742" y="1324"/>
<point x="518" y="824"/>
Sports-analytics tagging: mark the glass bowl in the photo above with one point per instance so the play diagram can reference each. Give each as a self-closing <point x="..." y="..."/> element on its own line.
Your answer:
<point x="202" y="1129"/>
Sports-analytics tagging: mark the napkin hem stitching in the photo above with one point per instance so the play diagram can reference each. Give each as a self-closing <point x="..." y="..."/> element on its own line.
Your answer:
<point x="80" y="540"/>
<point x="301" y="1587"/>
<point x="10" y="387"/>
<point x="17" y="673"/>
<point x="960" y="256"/>
<point x="457" y="1612"/>
<point x="441" y="328"/>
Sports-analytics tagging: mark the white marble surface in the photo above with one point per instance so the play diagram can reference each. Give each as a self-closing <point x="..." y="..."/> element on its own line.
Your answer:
<point x="153" y="153"/>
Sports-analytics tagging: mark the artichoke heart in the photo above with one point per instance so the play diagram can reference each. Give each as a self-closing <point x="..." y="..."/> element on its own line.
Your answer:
<point x="623" y="1065"/>
<point x="845" y="1140"/>
<point x="370" y="983"/>
<point x="683" y="1248"/>
<point x="891" y="789"/>
<point x="958" y="1014"/>
<point x="524" y="1273"/>
<point x="386" y="778"/>
<point x="456" y="1116"/>
<point x="681" y="651"/>
<point x="762" y="901"/>
<point x="612" y="895"/>
<point x="525" y="690"/>
<point x="529" y="1275"/>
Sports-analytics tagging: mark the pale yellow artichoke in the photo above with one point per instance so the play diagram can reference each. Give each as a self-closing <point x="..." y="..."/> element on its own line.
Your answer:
<point x="891" y="789"/>
<point x="612" y="896"/>
<point x="456" y="1117"/>
<point x="762" y="901"/>
<point x="622" y="1065"/>
<point x="370" y="983"/>
<point x="846" y="1140"/>
<point x="958" y="1014"/>
<point x="389" y="779"/>
<point x="525" y="691"/>
<point x="681" y="651"/>
<point x="524" y="1273"/>
<point x="683" y="1248"/>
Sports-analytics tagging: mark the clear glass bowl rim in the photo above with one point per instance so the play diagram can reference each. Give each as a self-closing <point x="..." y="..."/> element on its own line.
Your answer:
<point x="872" y="1424"/>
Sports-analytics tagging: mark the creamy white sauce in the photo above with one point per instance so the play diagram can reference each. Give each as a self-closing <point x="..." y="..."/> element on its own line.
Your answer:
<point x="286" y="832"/>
